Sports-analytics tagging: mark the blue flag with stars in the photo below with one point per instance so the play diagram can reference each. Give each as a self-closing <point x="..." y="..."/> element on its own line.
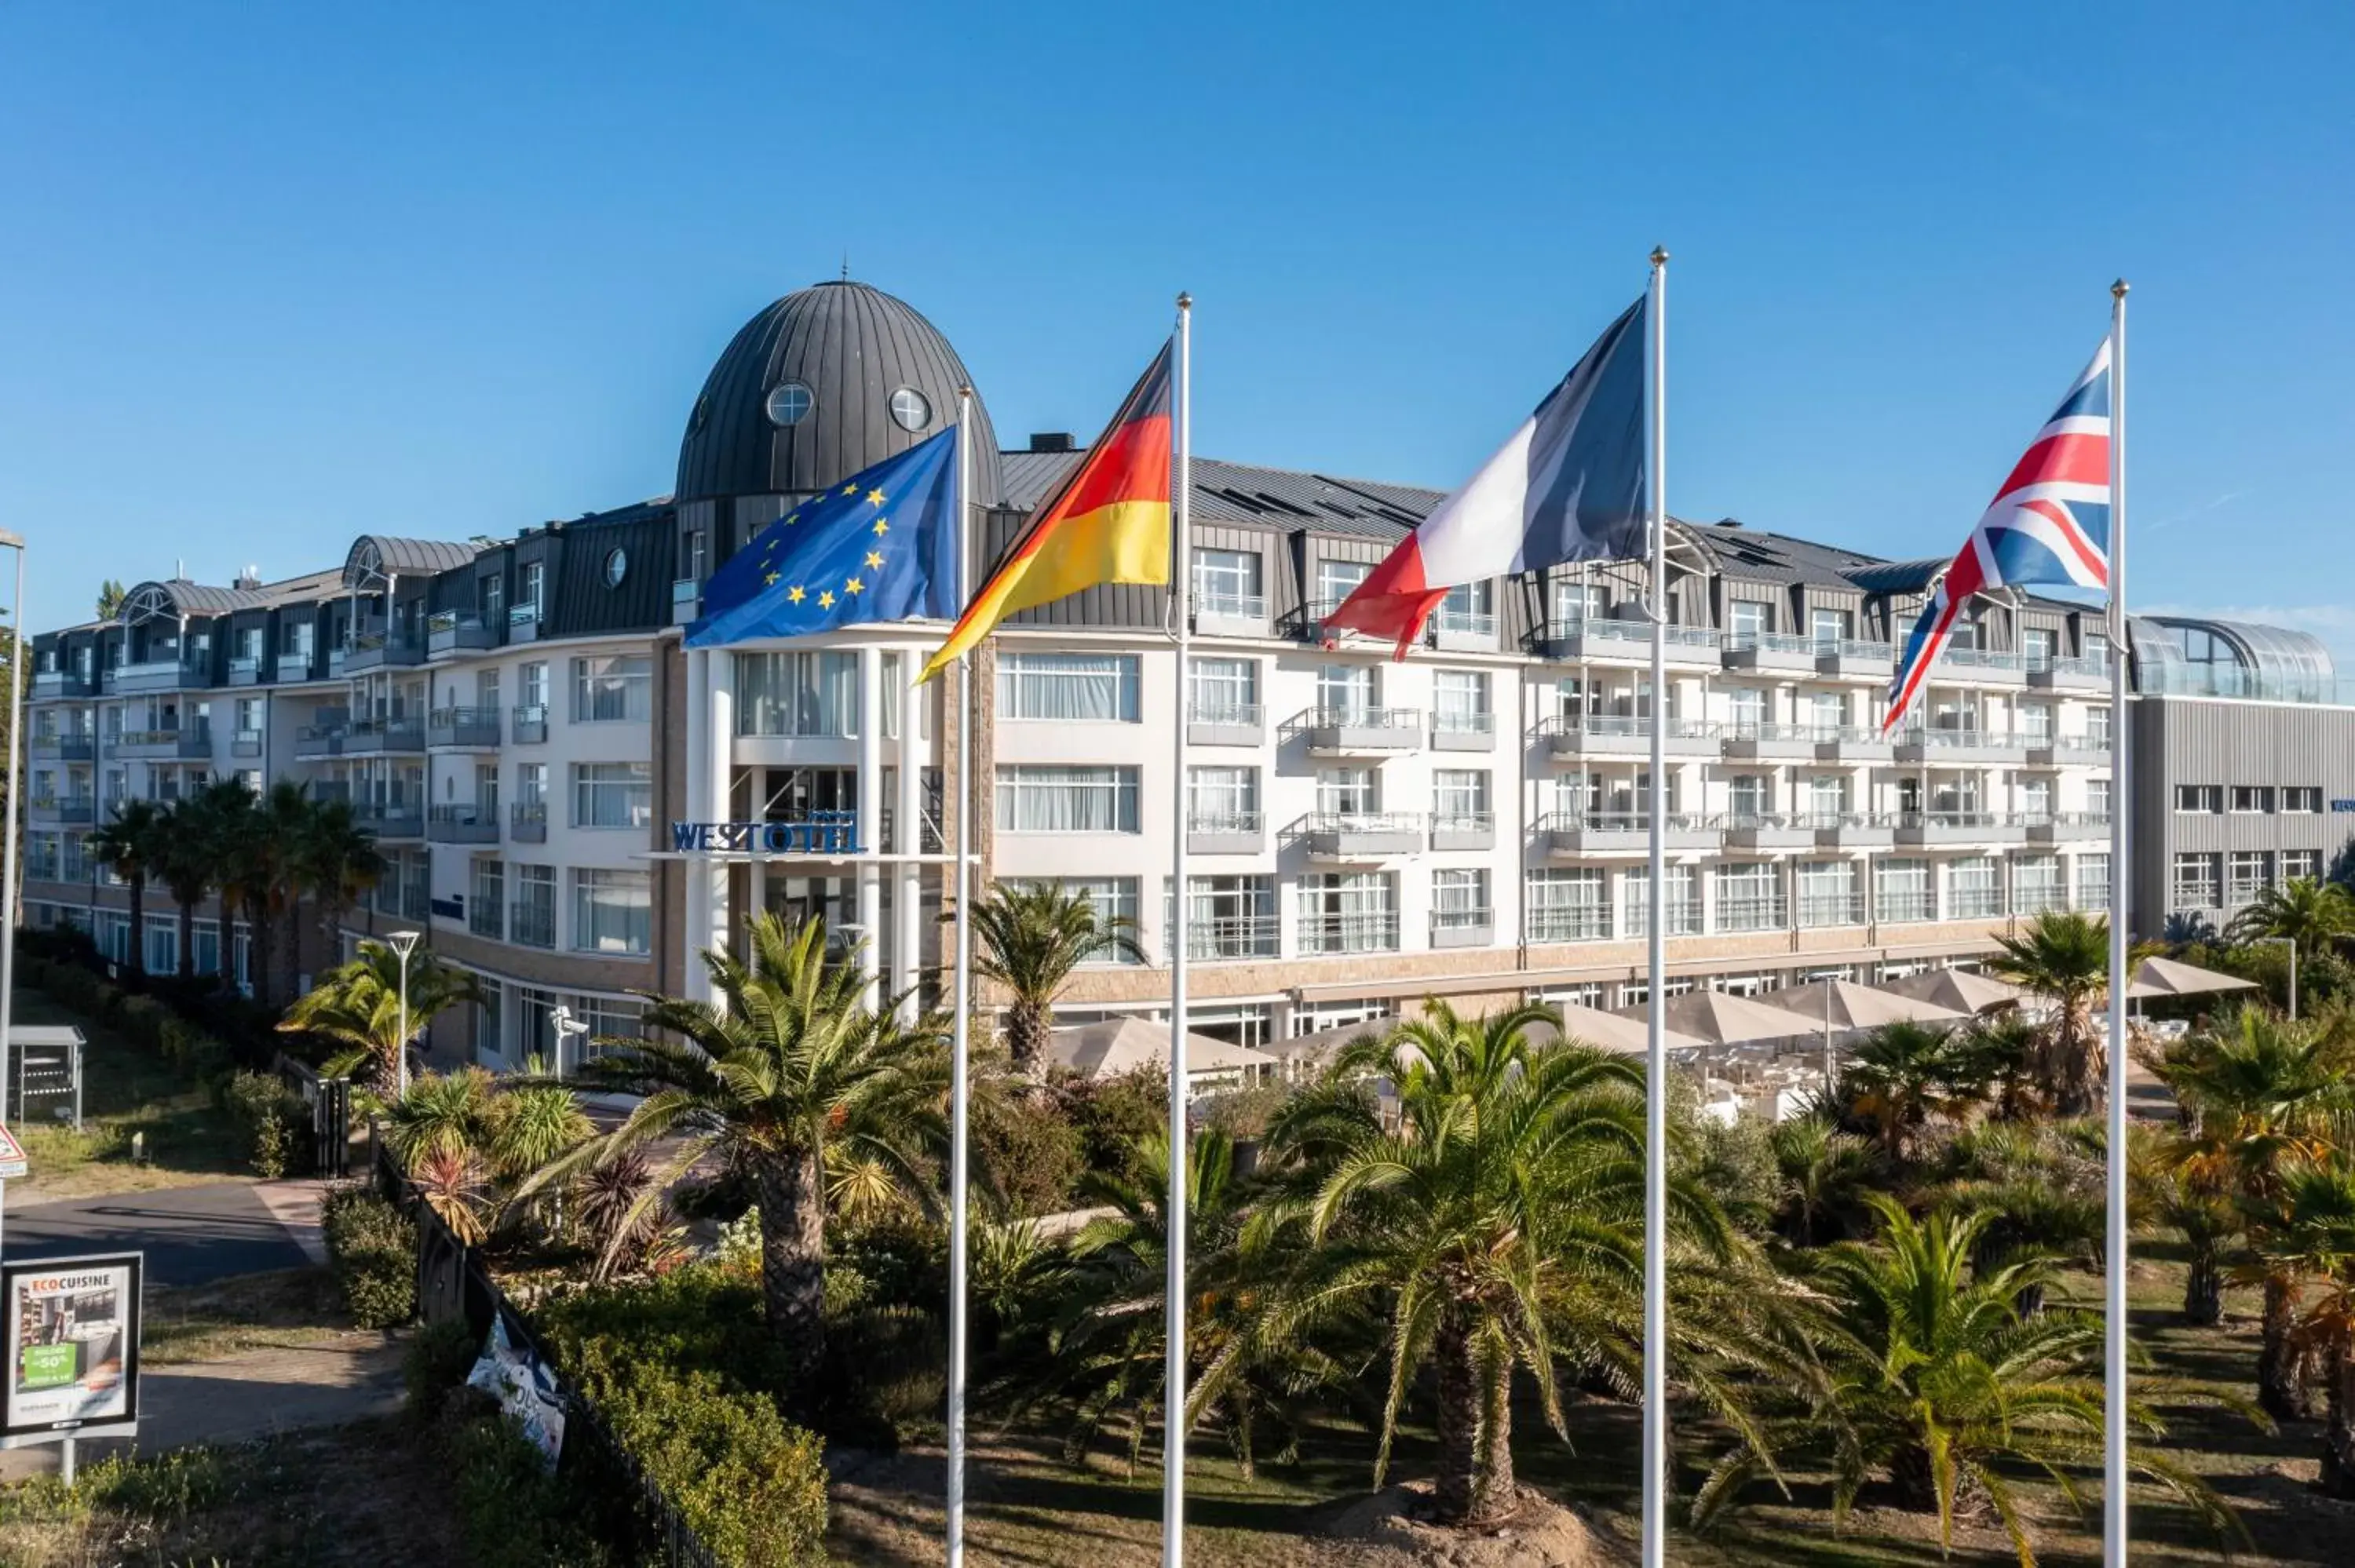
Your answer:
<point x="882" y="546"/>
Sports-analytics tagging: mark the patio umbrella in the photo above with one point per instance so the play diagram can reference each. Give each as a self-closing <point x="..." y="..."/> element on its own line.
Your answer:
<point x="1116" y="1045"/>
<point x="1611" y="1032"/>
<point x="1965" y="991"/>
<point x="1719" y="1018"/>
<point x="1843" y="1005"/>
<point x="2166" y="977"/>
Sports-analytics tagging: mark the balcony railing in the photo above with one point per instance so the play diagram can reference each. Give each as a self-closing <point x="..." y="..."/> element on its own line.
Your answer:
<point x="1758" y="912"/>
<point x="1974" y="903"/>
<point x="1817" y="909"/>
<point x="67" y="747"/>
<point x="1226" y="832"/>
<point x="1620" y="639"/>
<point x="463" y="726"/>
<point x="397" y="734"/>
<point x="392" y="819"/>
<point x="1372" y="932"/>
<point x="1462" y="628"/>
<point x="1367" y="729"/>
<point x="1232" y="936"/>
<point x="448" y="630"/>
<point x="2039" y="899"/>
<point x="1218" y="606"/>
<point x="463" y="823"/>
<point x="483" y="918"/>
<point x="1571" y="923"/>
<point x="528" y="821"/>
<point x="1455" y="730"/>
<point x="246" y="743"/>
<point x="1891" y="904"/>
<point x="529" y="724"/>
<point x="531" y="923"/>
<point x="1684" y="919"/>
<point x="1983" y="659"/>
<point x="1770" y="642"/>
<point x="65" y="808"/>
<point x="319" y="740"/>
<point x="1225" y="724"/>
<point x="1463" y="927"/>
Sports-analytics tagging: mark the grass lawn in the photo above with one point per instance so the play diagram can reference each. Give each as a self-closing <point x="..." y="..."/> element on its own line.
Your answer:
<point x="1029" y="1508"/>
<point x="281" y="1309"/>
<point x="125" y="1090"/>
<point x="348" y="1496"/>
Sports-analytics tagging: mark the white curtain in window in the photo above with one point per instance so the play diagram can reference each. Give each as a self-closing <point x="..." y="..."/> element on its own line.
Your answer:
<point x="1459" y="698"/>
<point x="1053" y="799"/>
<point x="1085" y="688"/>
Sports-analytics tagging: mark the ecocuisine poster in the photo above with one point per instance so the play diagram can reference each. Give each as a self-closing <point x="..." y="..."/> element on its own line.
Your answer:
<point x="72" y="1329"/>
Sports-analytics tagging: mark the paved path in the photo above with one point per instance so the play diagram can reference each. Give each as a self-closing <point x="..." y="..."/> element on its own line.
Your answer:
<point x="238" y="1398"/>
<point x="191" y="1234"/>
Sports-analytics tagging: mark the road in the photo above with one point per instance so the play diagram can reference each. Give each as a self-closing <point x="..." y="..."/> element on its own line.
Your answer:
<point x="191" y="1234"/>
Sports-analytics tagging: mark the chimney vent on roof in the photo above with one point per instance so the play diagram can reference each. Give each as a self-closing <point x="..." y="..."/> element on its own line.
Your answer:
<point x="1051" y="440"/>
<point x="249" y="577"/>
<point x="1729" y="522"/>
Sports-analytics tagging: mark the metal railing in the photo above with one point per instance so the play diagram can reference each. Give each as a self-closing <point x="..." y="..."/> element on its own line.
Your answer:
<point x="528" y="821"/>
<point x="2039" y="900"/>
<point x="531" y="923"/>
<point x="1610" y="629"/>
<point x="531" y="724"/>
<point x="1406" y="721"/>
<point x="1776" y="729"/>
<point x="1934" y="738"/>
<point x="1684" y="918"/>
<point x="1852" y="648"/>
<point x="1959" y="819"/>
<point x="2064" y="819"/>
<point x="1445" y="722"/>
<point x="1896" y="904"/>
<point x="1628" y="821"/>
<point x="1974" y="903"/>
<point x="1983" y="659"/>
<point x="1235" y="822"/>
<point x="1571" y="923"/>
<point x="1464" y="821"/>
<point x="1821" y="820"/>
<point x="1830" y="909"/>
<point x="1759" y="912"/>
<point x="1235" y="716"/>
<point x="1232" y="605"/>
<point x="1463" y="622"/>
<point x="483" y="918"/>
<point x="1481" y="919"/>
<point x="1375" y="932"/>
<point x="1628" y="725"/>
<point x="1232" y="936"/>
<point x="1770" y="643"/>
<point x="1362" y="822"/>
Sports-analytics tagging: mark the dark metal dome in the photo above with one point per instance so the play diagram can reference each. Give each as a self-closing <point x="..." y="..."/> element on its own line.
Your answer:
<point x="851" y="350"/>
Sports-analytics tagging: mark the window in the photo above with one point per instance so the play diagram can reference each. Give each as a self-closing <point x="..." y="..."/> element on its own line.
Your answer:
<point x="487" y="899"/>
<point x="2093" y="883"/>
<point x="1748" y="798"/>
<point x="1336" y="580"/>
<point x="2198" y="797"/>
<point x="1749" y="897"/>
<point x="1568" y="904"/>
<point x="2097" y="800"/>
<point x="1067" y="799"/>
<point x="2098" y="648"/>
<point x="1223" y="690"/>
<point x="1227" y="582"/>
<point x="617" y="566"/>
<point x="1901" y="891"/>
<point x="1577" y="601"/>
<point x="1068" y="688"/>
<point x="1468" y="607"/>
<point x="911" y="410"/>
<point x="1828" y="894"/>
<point x="1222" y="800"/>
<point x="789" y="403"/>
<point x="161" y="951"/>
<point x="1683" y="901"/>
<point x="612" y="794"/>
<point x="532" y="918"/>
<point x="531" y="681"/>
<point x="2301" y="799"/>
<point x="1231" y="917"/>
<point x="208" y="947"/>
<point x="1828" y="711"/>
<point x="2036" y="886"/>
<point x="1459" y="701"/>
<point x="2041" y="645"/>
<point x="607" y="1020"/>
<point x="2250" y="873"/>
<point x="613" y="912"/>
<point x="2036" y="798"/>
<point x="2198" y="883"/>
<point x="2097" y="728"/>
<point x="531" y="783"/>
<point x="798" y="694"/>
<point x="1112" y="898"/>
<point x="1828" y="798"/>
<point x="1459" y="798"/>
<point x="1347" y="689"/>
<point x="2035" y="723"/>
<point x="490" y="598"/>
<point x="534" y="579"/>
<point x="1347" y="791"/>
<point x="486" y="792"/>
<point x="2301" y="865"/>
<point x="613" y="686"/>
<point x="1831" y="627"/>
<point x="1348" y="912"/>
<point x="1751" y="619"/>
<point x="1975" y="888"/>
<point x="2251" y="799"/>
<point x="1459" y="899"/>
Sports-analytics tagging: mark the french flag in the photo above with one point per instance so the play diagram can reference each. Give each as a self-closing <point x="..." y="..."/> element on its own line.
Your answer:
<point x="1569" y="485"/>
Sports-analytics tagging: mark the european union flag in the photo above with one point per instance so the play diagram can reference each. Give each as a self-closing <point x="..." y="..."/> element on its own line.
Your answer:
<point x="882" y="546"/>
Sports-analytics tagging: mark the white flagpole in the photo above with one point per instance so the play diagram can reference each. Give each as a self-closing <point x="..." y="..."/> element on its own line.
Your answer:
<point x="1172" y="1464"/>
<point x="1656" y="1056"/>
<point x="960" y="1056"/>
<point x="2114" y="1334"/>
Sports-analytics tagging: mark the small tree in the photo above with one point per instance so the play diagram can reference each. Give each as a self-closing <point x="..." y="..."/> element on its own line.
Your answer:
<point x="1032" y="936"/>
<point x="2312" y="915"/>
<point x="2064" y="957"/>
<point x="132" y="846"/>
<point x="2312" y="1237"/>
<point x="360" y="1005"/>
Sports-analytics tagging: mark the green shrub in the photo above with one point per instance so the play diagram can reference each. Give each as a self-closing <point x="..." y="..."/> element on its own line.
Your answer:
<point x="1243" y="1114"/>
<point x="512" y="1513"/>
<point x="372" y="1248"/>
<point x="143" y="1019"/>
<point x="267" y="1114"/>
<point x="1031" y="1152"/>
<point x="438" y="1359"/>
<point x="701" y="1317"/>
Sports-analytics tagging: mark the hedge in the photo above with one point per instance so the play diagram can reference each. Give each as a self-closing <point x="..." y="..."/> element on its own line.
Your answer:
<point x="372" y="1249"/>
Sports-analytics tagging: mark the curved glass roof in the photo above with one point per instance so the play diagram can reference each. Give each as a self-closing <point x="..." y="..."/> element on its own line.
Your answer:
<point x="2199" y="657"/>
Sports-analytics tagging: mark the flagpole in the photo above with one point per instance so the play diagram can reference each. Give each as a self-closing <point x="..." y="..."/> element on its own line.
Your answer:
<point x="1656" y="1056"/>
<point x="1172" y="1464"/>
<point x="2114" y="1333"/>
<point x="961" y="1048"/>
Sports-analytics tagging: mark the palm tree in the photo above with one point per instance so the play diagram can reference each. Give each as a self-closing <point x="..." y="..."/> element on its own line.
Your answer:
<point x="334" y="860"/>
<point x="2260" y="1095"/>
<point x="2313" y="1237"/>
<point x="2064" y="957"/>
<point x="360" y="1005"/>
<point x="2171" y="1190"/>
<point x="1032" y="936"/>
<point x="1934" y="1380"/>
<point x="1899" y="1076"/>
<point x="787" y="1076"/>
<point x="242" y="868"/>
<point x="132" y="847"/>
<point x="2311" y="914"/>
<point x="1824" y="1173"/>
<point x="198" y="833"/>
<point x="258" y="866"/>
<point x="1497" y="1226"/>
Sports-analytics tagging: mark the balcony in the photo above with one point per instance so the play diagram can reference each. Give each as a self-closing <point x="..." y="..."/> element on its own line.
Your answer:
<point x="1818" y="910"/>
<point x="1358" y="732"/>
<point x="1771" y="650"/>
<point x="1463" y="927"/>
<point x="378" y="650"/>
<point x="319" y="740"/>
<point x="685" y="601"/>
<point x="245" y="671"/>
<point x="1625" y="833"/>
<point x="1931" y="829"/>
<point x="1362" y="835"/>
<point x="477" y="728"/>
<point x="156" y="745"/>
<point x="49" y="685"/>
<point x="523" y="623"/>
<point x="1225" y="833"/>
<point x="1746" y="739"/>
<point x="1958" y="748"/>
<point x="1848" y="660"/>
<point x="1626" y="734"/>
<point x="1853" y="743"/>
<point x="1462" y="732"/>
<point x="2066" y="827"/>
<point x="531" y="923"/>
<point x="448" y="631"/>
<point x="1974" y="903"/>
<point x="1231" y="936"/>
<point x="1461" y="631"/>
<point x="2066" y="750"/>
<point x="483" y="917"/>
<point x="1769" y="831"/>
<point x="1225" y="724"/>
<point x="1852" y="829"/>
<point x="67" y="747"/>
<point x="1571" y="923"/>
<point x="1897" y="905"/>
<point x="154" y="675"/>
<point x="2029" y="902"/>
<point x="529" y="724"/>
<point x="462" y="822"/>
<point x="1597" y="637"/>
<point x="1464" y="831"/>
<point x="1229" y="614"/>
<point x="65" y="810"/>
<point x="1372" y="932"/>
<point x="390" y="821"/>
<point x="528" y="821"/>
<point x="246" y="743"/>
<point x="2051" y="674"/>
<point x="1982" y="667"/>
<point x="1684" y="918"/>
<point x="1759" y="912"/>
<point x="369" y="736"/>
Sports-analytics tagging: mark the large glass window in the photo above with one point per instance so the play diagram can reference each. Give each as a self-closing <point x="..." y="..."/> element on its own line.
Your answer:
<point x="532" y="684"/>
<point x="1222" y="800"/>
<point x="1227" y="582"/>
<point x="1043" y="799"/>
<point x="1683" y="901"/>
<point x="2252" y="872"/>
<point x="2036" y="885"/>
<point x="1337" y="580"/>
<point x="1975" y="888"/>
<point x="2093" y="883"/>
<point x="1468" y="607"/>
<point x="613" y="912"/>
<point x="1348" y="912"/>
<point x="1828" y="894"/>
<point x="1459" y="798"/>
<point x="1347" y="791"/>
<point x="1569" y="904"/>
<point x="613" y="686"/>
<point x="1901" y="891"/>
<point x="1231" y="917"/>
<point x="1113" y="898"/>
<point x="1070" y="688"/>
<point x="2198" y="882"/>
<point x="2301" y="865"/>
<point x="798" y="694"/>
<point x="486" y="907"/>
<point x="1831" y="627"/>
<point x="1223" y="690"/>
<point x="612" y="794"/>
<point x="1749" y="897"/>
<point x="1459" y="701"/>
<point x="1347" y="690"/>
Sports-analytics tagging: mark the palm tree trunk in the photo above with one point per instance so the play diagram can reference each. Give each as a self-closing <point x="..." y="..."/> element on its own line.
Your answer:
<point x="136" y="970"/>
<point x="1025" y="1035"/>
<point x="187" y="941"/>
<point x="293" y="944"/>
<point x="2338" y="1435"/>
<point x="1494" y="1495"/>
<point x="2282" y="1393"/>
<point x="257" y="947"/>
<point x="2203" y="1288"/>
<point x="1455" y="1493"/>
<point x="792" y="1265"/>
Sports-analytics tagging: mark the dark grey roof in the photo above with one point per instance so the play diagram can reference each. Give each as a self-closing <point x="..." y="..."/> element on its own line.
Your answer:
<point x="1240" y="492"/>
<point x="1899" y="576"/>
<point x="852" y="346"/>
<point x="374" y="555"/>
<point x="178" y="597"/>
<point x="1743" y="551"/>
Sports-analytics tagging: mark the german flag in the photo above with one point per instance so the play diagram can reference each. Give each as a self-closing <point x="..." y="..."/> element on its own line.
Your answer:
<point x="1107" y="523"/>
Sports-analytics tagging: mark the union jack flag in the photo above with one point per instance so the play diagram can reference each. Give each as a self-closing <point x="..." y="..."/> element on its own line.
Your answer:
<point x="2049" y="523"/>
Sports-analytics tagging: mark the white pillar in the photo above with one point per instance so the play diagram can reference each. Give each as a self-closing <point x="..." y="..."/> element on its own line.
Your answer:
<point x="720" y="772"/>
<point x="696" y="933"/>
<point x="871" y="819"/>
<point x="908" y="906"/>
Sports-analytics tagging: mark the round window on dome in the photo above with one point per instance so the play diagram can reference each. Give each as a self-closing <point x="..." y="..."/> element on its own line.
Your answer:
<point x="702" y="413"/>
<point x="789" y="403"/>
<point x="910" y="411"/>
<point x="617" y="566"/>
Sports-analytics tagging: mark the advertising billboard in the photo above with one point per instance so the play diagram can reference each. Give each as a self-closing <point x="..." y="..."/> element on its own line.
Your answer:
<point x="72" y="1327"/>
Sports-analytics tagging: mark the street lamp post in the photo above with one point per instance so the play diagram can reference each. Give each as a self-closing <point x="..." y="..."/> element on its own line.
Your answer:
<point x="567" y="1027"/>
<point x="403" y="943"/>
<point x="21" y="651"/>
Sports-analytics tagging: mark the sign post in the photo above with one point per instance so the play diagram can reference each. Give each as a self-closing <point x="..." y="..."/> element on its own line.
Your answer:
<point x="71" y="1326"/>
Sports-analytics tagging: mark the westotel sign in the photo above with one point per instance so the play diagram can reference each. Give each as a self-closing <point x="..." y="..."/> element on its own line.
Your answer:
<point x="820" y="832"/>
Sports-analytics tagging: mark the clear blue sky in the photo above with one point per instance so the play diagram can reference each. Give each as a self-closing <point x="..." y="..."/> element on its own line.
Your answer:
<point x="277" y="275"/>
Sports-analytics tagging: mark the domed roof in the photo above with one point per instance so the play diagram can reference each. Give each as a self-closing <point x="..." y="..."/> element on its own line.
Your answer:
<point x="815" y="387"/>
